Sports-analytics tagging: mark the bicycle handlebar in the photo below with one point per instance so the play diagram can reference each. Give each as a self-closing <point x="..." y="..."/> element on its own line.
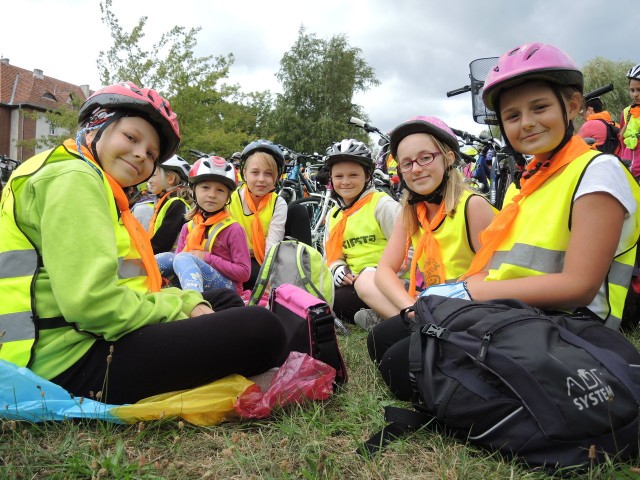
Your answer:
<point x="598" y="91"/>
<point x="366" y="127"/>
<point x="458" y="91"/>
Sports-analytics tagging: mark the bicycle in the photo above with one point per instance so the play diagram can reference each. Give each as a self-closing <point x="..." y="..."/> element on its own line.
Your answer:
<point x="297" y="184"/>
<point x="318" y="204"/>
<point x="505" y="168"/>
<point x="382" y="178"/>
<point x="7" y="166"/>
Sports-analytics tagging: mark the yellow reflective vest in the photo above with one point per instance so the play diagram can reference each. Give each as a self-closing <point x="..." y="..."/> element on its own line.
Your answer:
<point x="363" y="240"/>
<point x="237" y="212"/>
<point x="538" y="247"/>
<point x="214" y="230"/>
<point x="20" y="262"/>
<point x="454" y="240"/>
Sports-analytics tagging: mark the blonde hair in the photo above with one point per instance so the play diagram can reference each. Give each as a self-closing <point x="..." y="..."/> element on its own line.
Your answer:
<point x="454" y="188"/>
<point x="264" y="160"/>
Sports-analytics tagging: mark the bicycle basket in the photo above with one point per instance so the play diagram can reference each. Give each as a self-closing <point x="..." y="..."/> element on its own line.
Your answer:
<point x="479" y="69"/>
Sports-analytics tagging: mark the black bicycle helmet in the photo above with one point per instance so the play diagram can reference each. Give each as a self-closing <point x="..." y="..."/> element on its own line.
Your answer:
<point x="267" y="147"/>
<point x="350" y="150"/>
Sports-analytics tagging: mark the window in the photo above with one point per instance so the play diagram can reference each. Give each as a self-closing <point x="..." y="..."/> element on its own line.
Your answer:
<point x="49" y="96"/>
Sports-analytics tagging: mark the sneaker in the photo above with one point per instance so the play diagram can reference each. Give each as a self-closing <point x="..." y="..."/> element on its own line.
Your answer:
<point x="366" y="318"/>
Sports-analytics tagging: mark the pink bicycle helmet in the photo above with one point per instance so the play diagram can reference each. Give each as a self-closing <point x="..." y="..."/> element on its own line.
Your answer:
<point x="421" y="124"/>
<point x="213" y="168"/>
<point x="148" y="103"/>
<point x="531" y="61"/>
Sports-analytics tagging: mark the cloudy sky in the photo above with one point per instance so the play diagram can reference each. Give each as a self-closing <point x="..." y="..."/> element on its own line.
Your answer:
<point x="420" y="49"/>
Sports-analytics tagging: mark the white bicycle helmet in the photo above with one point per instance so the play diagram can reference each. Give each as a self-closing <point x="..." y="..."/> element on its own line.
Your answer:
<point x="213" y="168"/>
<point x="634" y="73"/>
<point x="178" y="165"/>
<point x="351" y="150"/>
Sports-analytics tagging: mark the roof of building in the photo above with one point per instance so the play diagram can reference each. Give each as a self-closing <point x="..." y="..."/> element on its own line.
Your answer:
<point x="25" y="87"/>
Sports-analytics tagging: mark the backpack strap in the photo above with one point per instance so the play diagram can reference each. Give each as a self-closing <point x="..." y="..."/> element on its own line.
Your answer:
<point x="401" y="421"/>
<point x="324" y="336"/>
<point x="263" y="275"/>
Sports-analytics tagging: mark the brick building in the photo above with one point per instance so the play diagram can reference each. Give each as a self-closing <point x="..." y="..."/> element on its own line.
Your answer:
<point x="23" y="91"/>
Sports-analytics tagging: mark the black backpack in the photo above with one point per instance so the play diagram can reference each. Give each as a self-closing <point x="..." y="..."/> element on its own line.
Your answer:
<point x="506" y="377"/>
<point x="611" y="142"/>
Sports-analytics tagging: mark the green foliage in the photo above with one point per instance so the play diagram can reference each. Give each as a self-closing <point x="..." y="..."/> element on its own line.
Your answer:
<point x="319" y="79"/>
<point x="193" y="85"/>
<point x="599" y="72"/>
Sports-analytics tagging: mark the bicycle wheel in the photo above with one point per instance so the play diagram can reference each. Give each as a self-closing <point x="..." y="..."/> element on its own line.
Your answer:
<point x="505" y="178"/>
<point x="314" y="209"/>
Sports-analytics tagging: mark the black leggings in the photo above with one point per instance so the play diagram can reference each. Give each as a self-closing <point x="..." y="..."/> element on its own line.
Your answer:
<point x="388" y="345"/>
<point x="181" y="354"/>
<point x="346" y="303"/>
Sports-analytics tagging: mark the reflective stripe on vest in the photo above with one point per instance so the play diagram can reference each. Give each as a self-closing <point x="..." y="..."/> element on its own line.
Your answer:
<point x="547" y="240"/>
<point x="214" y="230"/>
<point x="237" y="212"/>
<point x="18" y="267"/>
<point x="453" y="238"/>
<point x="363" y="239"/>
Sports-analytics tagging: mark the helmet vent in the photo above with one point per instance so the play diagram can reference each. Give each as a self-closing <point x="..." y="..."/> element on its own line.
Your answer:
<point x="531" y="53"/>
<point x="514" y="51"/>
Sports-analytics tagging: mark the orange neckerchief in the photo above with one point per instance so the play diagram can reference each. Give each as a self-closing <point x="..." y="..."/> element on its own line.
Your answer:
<point x="498" y="229"/>
<point x="138" y="235"/>
<point x="156" y="210"/>
<point x="427" y="245"/>
<point x="195" y="238"/>
<point x="333" y="248"/>
<point x="257" y="233"/>
<point x="635" y="111"/>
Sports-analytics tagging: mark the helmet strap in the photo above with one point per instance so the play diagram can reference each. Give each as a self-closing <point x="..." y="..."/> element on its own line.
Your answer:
<point x="434" y="197"/>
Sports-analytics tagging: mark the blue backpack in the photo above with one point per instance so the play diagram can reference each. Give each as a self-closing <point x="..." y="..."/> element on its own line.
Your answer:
<point x="546" y="389"/>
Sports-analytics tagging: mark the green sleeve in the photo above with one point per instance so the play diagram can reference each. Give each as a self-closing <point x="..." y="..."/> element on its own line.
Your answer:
<point x="68" y="218"/>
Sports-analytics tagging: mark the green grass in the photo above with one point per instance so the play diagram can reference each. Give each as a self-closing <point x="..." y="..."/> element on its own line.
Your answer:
<point x="316" y="440"/>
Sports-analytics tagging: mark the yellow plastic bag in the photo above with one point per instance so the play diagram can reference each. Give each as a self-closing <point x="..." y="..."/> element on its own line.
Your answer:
<point x="209" y="404"/>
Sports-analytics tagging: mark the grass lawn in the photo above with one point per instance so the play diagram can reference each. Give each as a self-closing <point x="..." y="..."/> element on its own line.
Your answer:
<point x="315" y="440"/>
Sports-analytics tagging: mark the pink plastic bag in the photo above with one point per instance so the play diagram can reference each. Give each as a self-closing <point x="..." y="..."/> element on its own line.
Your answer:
<point x="300" y="378"/>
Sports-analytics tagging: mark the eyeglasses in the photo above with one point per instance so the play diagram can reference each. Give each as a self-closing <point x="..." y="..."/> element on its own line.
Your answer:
<point x="423" y="160"/>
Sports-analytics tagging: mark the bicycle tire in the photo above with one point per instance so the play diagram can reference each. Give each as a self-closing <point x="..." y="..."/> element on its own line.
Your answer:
<point x="314" y="209"/>
<point x="506" y="177"/>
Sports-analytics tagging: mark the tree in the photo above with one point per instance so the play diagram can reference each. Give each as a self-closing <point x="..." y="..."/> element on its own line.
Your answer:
<point x="319" y="79"/>
<point x="599" y="72"/>
<point x="193" y="85"/>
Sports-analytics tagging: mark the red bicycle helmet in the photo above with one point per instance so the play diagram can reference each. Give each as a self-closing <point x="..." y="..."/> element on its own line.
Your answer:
<point x="146" y="102"/>
<point x="531" y="61"/>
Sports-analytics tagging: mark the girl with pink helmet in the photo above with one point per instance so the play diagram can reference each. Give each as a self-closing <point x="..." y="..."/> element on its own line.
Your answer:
<point x="440" y="221"/>
<point x="566" y="239"/>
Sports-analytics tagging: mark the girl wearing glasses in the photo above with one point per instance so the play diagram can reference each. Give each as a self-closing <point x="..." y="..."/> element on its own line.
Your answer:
<point x="441" y="218"/>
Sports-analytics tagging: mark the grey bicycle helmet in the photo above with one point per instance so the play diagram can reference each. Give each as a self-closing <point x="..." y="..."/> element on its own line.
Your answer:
<point x="350" y="150"/>
<point x="634" y="73"/>
<point x="267" y="147"/>
<point x="178" y="165"/>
